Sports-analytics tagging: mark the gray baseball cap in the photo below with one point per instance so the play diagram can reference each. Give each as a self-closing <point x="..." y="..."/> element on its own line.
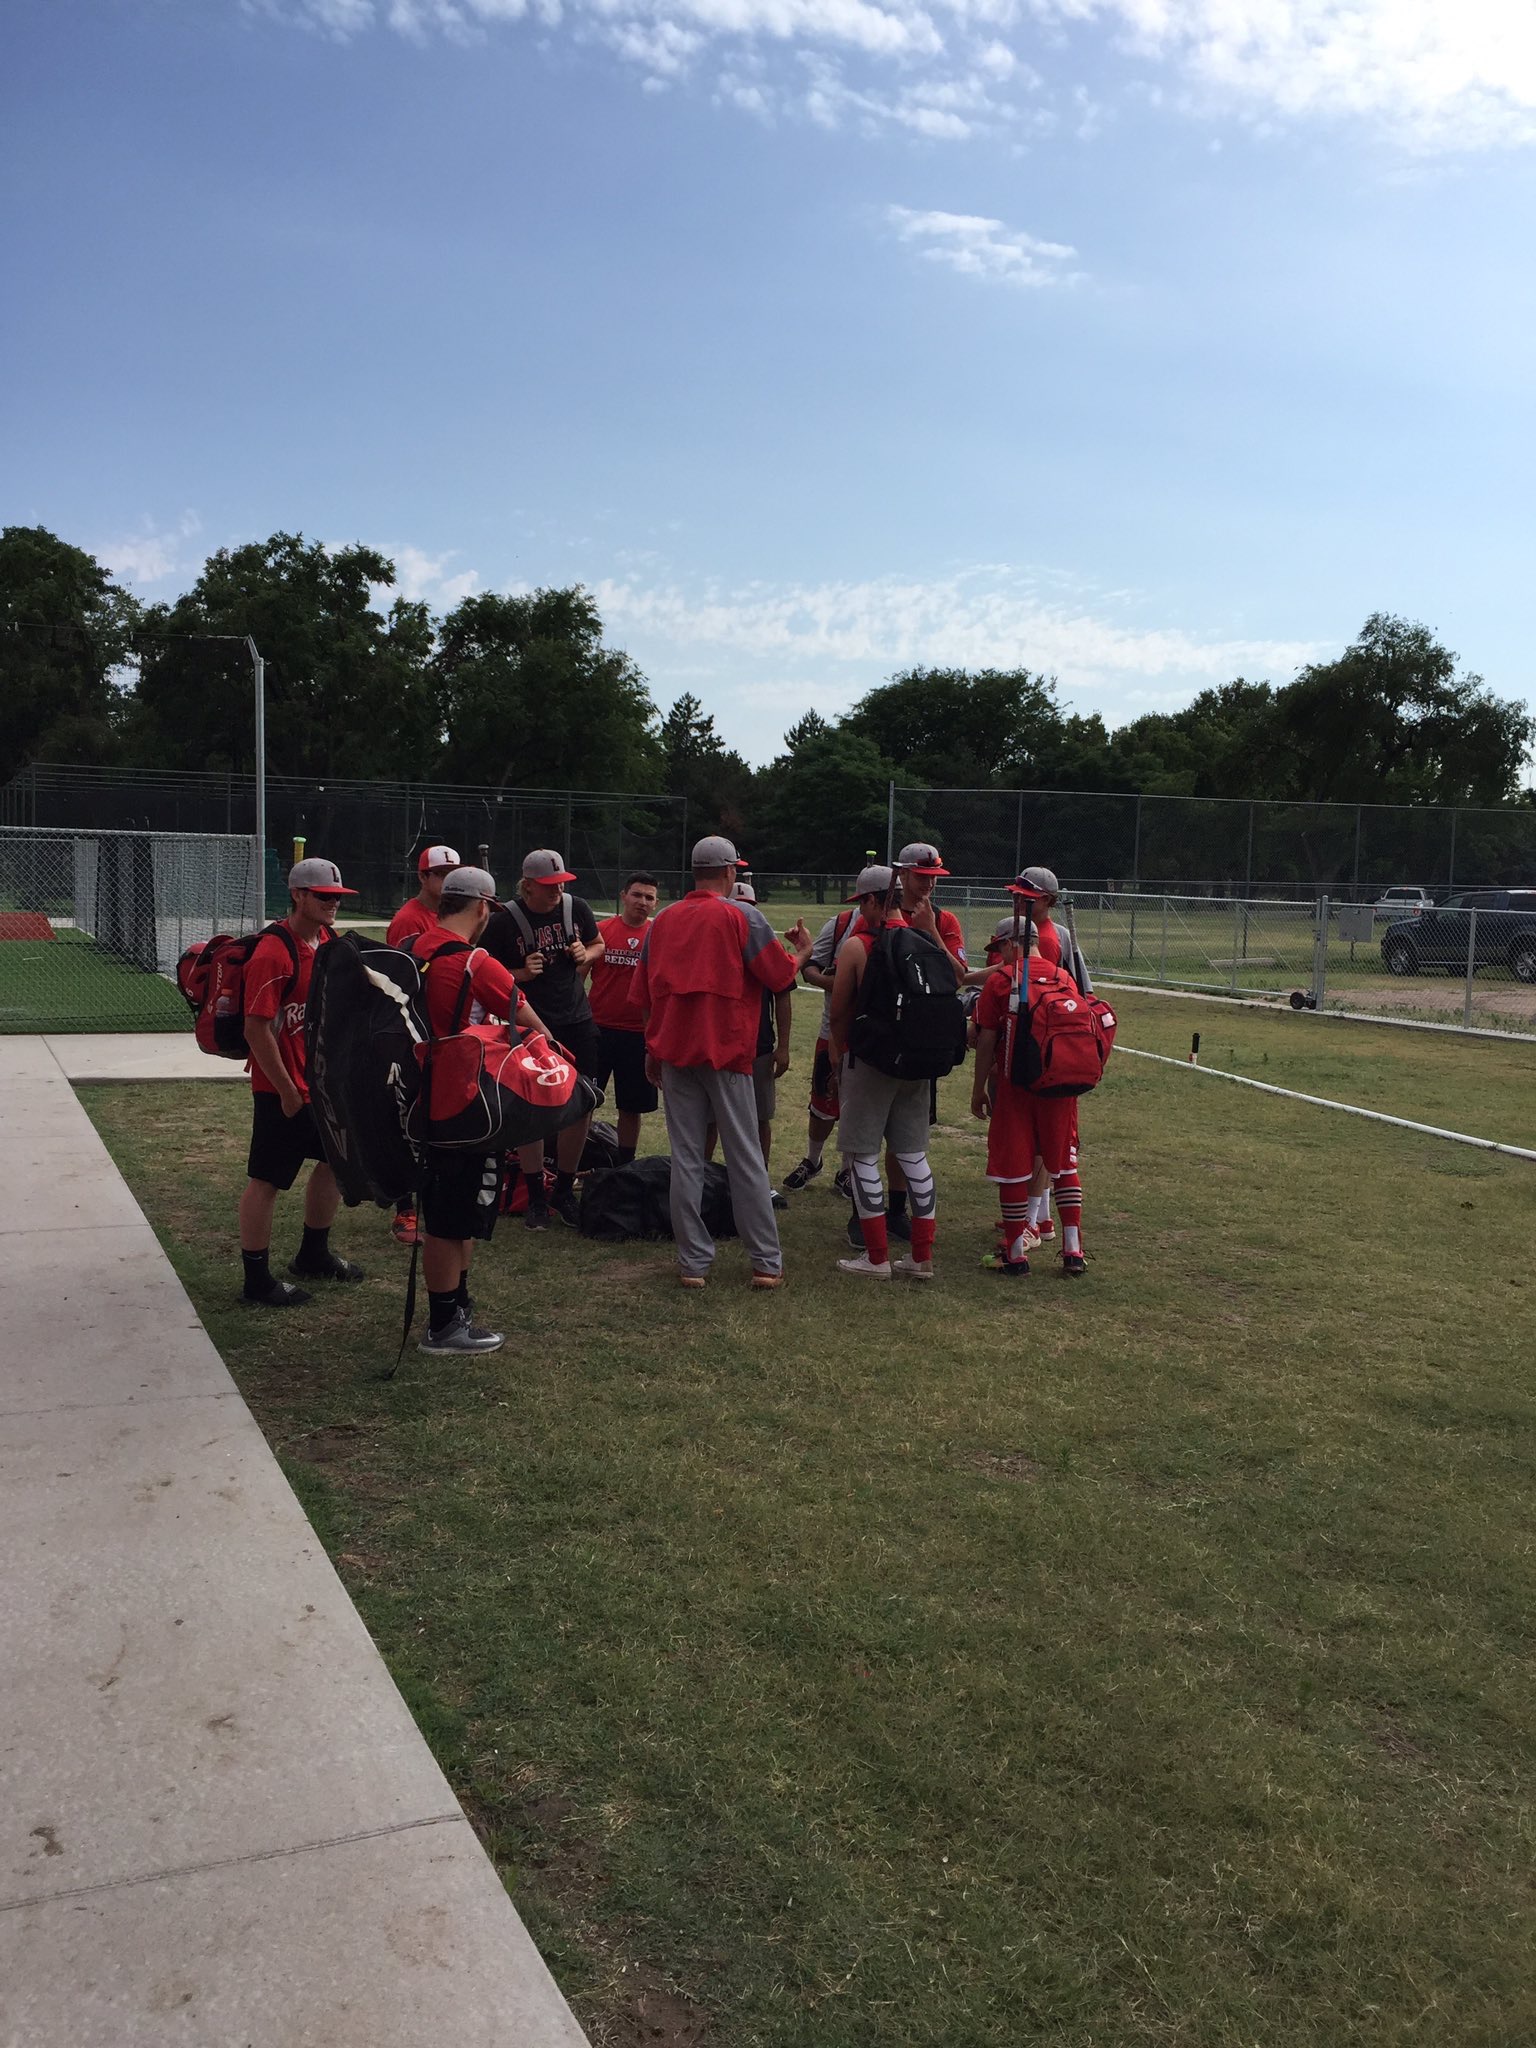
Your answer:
<point x="1037" y="882"/>
<point x="922" y="857"/>
<point x="715" y="852"/>
<point x="545" y="865"/>
<point x="323" y="876"/>
<point x="871" y="882"/>
<point x="470" y="882"/>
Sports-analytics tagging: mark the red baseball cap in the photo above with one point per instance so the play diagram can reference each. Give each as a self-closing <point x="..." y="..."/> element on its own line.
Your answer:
<point x="437" y="857"/>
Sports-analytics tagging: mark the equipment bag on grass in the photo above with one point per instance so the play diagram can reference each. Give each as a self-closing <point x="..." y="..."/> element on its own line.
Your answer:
<point x="366" y="1022"/>
<point x="211" y="976"/>
<point x="1060" y="1038"/>
<point x="909" y="1021"/>
<point x="626" y="1202"/>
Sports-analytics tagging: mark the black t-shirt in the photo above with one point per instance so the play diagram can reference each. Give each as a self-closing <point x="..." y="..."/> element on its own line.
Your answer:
<point x="559" y="994"/>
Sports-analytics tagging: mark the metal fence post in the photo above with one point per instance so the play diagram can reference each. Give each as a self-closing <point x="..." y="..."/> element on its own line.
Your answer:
<point x="1136" y="848"/>
<point x="1466" y="1006"/>
<point x="1018" y="837"/>
<point x="1450" y="879"/>
<point x="1237" y="937"/>
<point x="890" y="823"/>
<point x="1320" y="955"/>
<point x="259" y="676"/>
<point x="1162" y="958"/>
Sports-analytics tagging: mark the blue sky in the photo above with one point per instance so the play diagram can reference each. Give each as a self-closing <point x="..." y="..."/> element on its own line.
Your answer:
<point x="1143" y="342"/>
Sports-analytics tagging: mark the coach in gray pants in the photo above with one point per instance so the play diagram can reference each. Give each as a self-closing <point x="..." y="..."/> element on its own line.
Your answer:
<point x="699" y="988"/>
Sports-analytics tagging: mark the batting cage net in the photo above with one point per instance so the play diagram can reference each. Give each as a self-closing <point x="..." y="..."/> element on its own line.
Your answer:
<point x="93" y="923"/>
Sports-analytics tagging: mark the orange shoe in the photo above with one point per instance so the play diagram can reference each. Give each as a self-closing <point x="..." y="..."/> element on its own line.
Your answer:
<point x="764" y="1283"/>
<point x="404" y="1229"/>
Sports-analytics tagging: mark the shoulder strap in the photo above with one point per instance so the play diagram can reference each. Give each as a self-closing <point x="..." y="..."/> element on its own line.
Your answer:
<point x="278" y="930"/>
<point x="466" y="986"/>
<point x="519" y="917"/>
<point x="568" y="916"/>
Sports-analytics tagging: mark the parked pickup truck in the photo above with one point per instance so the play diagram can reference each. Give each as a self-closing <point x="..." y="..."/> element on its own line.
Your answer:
<point x="1506" y="934"/>
<point x="1402" y="903"/>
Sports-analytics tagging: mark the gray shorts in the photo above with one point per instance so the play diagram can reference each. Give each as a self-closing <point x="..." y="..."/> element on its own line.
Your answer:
<point x="880" y="1110"/>
<point x="765" y="1088"/>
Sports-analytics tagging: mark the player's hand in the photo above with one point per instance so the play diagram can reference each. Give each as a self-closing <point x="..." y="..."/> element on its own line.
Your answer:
<point x="291" y="1100"/>
<point x="979" y="1106"/>
<point x="653" y="1070"/>
<point x="533" y="966"/>
<point x="800" y="940"/>
<point x="923" y="920"/>
<point x="578" y="951"/>
<point x="780" y="1061"/>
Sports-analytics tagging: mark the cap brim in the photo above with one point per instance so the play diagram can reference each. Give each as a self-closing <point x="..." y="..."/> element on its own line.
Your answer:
<point x="915" y="869"/>
<point x="328" y="890"/>
<point x="561" y="877"/>
<point x="1026" y="894"/>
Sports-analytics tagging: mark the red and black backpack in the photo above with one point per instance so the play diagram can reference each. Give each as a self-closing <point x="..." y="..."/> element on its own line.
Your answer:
<point x="1059" y="1038"/>
<point x="211" y="976"/>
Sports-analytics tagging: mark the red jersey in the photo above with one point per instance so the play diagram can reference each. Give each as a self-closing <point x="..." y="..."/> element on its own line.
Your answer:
<point x="951" y="934"/>
<point x="489" y="982"/>
<point x="613" y="975"/>
<point x="1050" y="939"/>
<point x="703" y="967"/>
<point x="275" y="990"/>
<point x="409" y="919"/>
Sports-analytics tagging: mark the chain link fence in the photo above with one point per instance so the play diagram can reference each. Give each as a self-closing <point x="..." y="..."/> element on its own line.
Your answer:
<point x="1220" y="846"/>
<point x="372" y="830"/>
<point x="93" y="923"/>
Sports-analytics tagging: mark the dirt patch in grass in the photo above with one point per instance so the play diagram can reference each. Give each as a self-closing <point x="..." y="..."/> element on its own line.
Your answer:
<point x="1003" y="1464"/>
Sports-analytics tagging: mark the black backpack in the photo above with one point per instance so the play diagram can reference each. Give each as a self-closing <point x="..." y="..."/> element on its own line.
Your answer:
<point x="631" y="1201"/>
<point x="909" y="1022"/>
<point x="367" y="1014"/>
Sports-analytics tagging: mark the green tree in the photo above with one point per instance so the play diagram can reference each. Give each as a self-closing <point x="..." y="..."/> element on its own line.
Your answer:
<point x="529" y="697"/>
<point x="1390" y="721"/>
<point x="66" y="629"/>
<point x="1227" y="742"/>
<point x="947" y="728"/>
<point x="697" y="764"/>
<point x="347" y="685"/>
<point x="821" y="805"/>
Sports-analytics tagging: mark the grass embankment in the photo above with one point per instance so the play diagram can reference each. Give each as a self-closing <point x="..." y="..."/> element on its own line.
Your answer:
<point x="1143" y="1660"/>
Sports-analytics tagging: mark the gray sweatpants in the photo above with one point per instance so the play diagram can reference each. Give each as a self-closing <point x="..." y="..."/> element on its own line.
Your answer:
<point x="695" y="1098"/>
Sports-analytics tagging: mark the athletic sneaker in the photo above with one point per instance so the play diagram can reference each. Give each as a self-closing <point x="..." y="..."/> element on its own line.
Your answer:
<point x="460" y="1336"/>
<point x="776" y="1199"/>
<point x="908" y="1268"/>
<point x="692" y="1280"/>
<point x="797" y="1176"/>
<point x="1045" y="1231"/>
<point x="766" y="1282"/>
<point x="998" y="1262"/>
<point x="405" y="1229"/>
<point x="281" y="1294"/>
<point x="1073" y="1265"/>
<point x="865" y="1267"/>
<point x="842" y="1185"/>
<point x="332" y="1267"/>
<point x="898" y="1224"/>
<point x="567" y="1208"/>
<point x="536" y="1216"/>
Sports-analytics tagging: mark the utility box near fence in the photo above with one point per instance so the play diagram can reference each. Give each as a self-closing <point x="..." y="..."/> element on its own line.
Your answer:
<point x="1357" y="921"/>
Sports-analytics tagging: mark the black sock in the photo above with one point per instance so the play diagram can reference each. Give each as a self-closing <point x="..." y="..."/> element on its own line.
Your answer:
<point x="442" y="1308"/>
<point x="462" y="1297"/>
<point x="258" y="1274"/>
<point x="405" y="1205"/>
<point x="316" y="1248"/>
<point x="626" y="1154"/>
<point x="564" y="1183"/>
<point x="896" y="1202"/>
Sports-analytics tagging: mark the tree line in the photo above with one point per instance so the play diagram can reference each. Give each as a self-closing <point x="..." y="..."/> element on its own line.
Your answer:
<point x="522" y="691"/>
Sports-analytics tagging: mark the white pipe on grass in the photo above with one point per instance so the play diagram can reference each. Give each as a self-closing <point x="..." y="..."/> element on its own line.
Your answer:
<point x="1377" y="1116"/>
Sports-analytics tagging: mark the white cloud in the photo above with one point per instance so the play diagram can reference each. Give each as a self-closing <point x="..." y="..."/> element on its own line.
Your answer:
<point x="1435" y="74"/>
<point x="985" y="617"/>
<point x="424" y="578"/>
<point x="152" y="555"/>
<point x="979" y="247"/>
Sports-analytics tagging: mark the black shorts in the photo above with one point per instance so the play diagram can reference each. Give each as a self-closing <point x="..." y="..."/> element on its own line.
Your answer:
<point x="623" y="1059"/>
<point x="460" y="1194"/>
<point x="582" y="1040"/>
<point x="280" y="1144"/>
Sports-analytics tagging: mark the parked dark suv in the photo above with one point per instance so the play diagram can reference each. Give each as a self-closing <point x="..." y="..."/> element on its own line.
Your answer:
<point x="1506" y="934"/>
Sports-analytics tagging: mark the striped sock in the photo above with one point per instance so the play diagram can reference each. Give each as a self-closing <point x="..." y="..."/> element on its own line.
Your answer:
<point x="1016" y="1201"/>
<point x="1069" y="1206"/>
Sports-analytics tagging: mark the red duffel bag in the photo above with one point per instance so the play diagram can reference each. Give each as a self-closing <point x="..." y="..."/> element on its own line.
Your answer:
<point x="491" y="1088"/>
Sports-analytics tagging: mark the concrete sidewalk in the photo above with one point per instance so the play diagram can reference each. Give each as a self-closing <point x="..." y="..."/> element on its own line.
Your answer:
<point x="218" y="1822"/>
<point x="136" y="1056"/>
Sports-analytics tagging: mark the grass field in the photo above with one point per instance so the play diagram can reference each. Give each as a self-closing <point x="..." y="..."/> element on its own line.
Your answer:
<point x="66" y="984"/>
<point x="1144" y="1660"/>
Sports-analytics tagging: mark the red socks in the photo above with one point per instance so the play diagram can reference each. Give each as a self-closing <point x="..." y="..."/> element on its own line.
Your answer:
<point x="876" y="1243"/>
<point x="1069" y="1206"/>
<point x="1014" y="1195"/>
<point x="923" y="1228"/>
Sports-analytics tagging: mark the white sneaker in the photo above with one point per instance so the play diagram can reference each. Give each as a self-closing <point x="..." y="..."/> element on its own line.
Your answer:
<point x="909" y="1268"/>
<point x="864" y="1265"/>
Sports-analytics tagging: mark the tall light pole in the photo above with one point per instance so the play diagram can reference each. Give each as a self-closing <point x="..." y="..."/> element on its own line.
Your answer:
<point x="259" y="677"/>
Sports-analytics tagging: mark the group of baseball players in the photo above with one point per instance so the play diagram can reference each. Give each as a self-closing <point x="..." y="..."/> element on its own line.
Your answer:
<point x="687" y="1007"/>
